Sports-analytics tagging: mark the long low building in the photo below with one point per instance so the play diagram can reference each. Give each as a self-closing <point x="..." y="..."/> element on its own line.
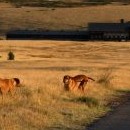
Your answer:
<point x="47" y="35"/>
<point x="109" y="31"/>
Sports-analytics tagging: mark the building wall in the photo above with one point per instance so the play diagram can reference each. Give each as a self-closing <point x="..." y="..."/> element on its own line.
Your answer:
<point x="109" y="35"/>
<point x="116" y="35"/>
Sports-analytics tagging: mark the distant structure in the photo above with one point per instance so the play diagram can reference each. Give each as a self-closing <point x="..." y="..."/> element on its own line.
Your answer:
<point x="46" y="35"/>
<point x="95" y="31"/>
<point x="109" y="31"/>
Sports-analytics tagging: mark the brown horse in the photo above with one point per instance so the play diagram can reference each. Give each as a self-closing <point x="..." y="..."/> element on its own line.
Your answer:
<point x="8" y="85"/>
<point x="78" y="81"/>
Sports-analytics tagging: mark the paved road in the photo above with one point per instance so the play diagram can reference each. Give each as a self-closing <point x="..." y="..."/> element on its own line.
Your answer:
<point x="117" y="120"/>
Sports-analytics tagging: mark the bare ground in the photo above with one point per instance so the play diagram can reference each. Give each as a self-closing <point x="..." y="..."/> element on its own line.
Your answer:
<point x="116" y="120"/>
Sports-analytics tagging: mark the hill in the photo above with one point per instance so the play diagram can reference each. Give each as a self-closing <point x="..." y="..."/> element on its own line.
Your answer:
<point x="76" y="18"/>
<point x="62" y="3"/>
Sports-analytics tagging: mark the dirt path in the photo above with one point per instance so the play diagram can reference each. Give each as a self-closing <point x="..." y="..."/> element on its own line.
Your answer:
<point x="119" y="119"/>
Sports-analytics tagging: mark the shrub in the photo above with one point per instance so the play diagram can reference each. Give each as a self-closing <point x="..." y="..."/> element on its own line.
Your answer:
<point x="106" y="77"/>
<point x="11" y="56"/>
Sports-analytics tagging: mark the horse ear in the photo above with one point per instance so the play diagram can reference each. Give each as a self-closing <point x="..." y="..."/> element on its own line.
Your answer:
<point x="68" y="77"/>
<point x="17" y="81"/>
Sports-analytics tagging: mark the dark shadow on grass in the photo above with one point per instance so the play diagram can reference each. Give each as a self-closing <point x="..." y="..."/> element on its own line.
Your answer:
<point x="57" y="68"/>
<point x="125" y="94"/>
<point x="89" y="101"/>
<point x="51" y="68"/>
<point x="61" y="128"/>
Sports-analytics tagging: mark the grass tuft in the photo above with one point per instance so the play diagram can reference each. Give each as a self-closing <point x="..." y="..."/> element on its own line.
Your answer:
<point x="105" y="78"/>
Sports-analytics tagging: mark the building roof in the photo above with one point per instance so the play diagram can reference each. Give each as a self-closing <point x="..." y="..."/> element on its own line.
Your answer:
<point x="109" y="27"/>
<point x="44" y="32"/>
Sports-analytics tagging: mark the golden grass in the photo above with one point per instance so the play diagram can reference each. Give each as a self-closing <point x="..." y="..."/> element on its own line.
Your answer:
<point x="41" y="102"/>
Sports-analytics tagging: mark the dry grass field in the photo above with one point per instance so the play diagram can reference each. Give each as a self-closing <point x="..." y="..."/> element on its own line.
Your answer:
<point x="77" y="18"/>
<point x="41" y="102"/>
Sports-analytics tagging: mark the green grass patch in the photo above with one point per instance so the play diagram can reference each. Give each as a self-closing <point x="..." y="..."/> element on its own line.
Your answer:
<point x="89" y="101"/>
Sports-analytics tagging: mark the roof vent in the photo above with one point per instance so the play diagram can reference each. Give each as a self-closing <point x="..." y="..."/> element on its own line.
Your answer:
<point x="121" y="20"/>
